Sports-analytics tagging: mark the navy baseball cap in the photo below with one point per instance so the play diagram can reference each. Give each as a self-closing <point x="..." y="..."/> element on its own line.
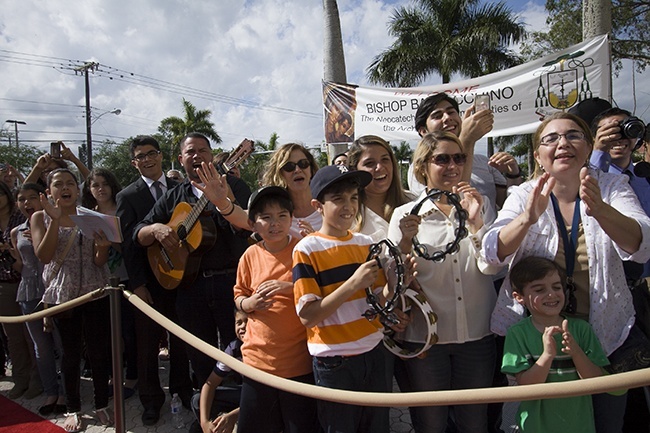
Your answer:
<point x="332" y="174"/>
<point x="267" y="190"/>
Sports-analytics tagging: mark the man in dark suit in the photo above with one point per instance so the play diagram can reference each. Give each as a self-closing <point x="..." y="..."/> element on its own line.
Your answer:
<point x="133" y="203"/>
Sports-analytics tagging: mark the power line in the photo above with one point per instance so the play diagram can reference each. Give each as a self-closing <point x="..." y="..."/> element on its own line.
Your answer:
<point x="112" y="73"/>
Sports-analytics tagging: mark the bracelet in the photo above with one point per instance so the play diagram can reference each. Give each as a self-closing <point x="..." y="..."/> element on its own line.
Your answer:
<point x="232" y="208"/>
<point x="241" y="305"/>
<point x="512" y="176"/>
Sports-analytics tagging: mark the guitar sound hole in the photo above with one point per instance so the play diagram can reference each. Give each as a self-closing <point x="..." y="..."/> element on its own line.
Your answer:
<point x="182" y="233"/>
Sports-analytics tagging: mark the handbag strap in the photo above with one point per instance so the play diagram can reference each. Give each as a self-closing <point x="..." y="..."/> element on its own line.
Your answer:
<point x="59" y="261"/>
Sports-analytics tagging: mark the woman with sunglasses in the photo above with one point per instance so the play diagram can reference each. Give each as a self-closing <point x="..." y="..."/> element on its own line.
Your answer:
<point x="457" y="290"/>
<point x="587" y="222"/>
<point x="292" y="167"/>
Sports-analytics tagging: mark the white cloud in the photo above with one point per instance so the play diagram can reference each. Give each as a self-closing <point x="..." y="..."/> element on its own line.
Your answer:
<point x="265" y="51"/>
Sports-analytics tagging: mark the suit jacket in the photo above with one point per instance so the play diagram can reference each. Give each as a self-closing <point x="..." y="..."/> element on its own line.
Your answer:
<point x="133" y="203"/>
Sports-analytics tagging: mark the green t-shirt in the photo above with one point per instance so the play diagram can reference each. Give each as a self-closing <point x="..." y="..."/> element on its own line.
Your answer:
<point x="523" y="346"/>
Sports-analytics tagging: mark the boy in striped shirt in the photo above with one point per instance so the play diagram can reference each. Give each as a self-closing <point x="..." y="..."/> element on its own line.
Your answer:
<point x="330" y="274"/>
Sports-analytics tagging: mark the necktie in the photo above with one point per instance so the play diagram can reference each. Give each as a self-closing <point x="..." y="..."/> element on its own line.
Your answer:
<point x="157" y="186"/>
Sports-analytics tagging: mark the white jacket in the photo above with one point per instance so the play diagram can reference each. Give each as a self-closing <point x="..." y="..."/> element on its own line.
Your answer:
<point x="611" y="311"/>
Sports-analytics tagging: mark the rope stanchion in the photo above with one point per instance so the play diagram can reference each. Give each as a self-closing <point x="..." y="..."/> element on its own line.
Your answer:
<point x="50" y="311"/>
<point x="632" y="379"/>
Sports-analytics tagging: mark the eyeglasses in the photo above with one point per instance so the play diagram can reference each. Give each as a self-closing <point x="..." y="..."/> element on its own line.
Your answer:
<point x="553" y="138"/>
<point x="143" y="156"/>
<point x="445" y="158"/>
<point x="291" y="166"/>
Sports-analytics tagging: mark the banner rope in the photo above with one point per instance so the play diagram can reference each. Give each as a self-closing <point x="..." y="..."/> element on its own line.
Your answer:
<point x="616" y="382"/>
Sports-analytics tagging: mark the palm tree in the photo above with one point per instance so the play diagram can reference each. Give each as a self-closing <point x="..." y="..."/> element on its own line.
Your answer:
<point x="333" y="57"/>
<point x="173" y="128"/>
<point x="447" y="37"/>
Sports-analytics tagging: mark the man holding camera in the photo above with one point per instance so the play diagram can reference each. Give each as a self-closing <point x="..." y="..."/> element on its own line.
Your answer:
<point x="617" y="134"/>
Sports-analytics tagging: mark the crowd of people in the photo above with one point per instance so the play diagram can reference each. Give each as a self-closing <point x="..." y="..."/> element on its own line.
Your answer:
<point x="541" y="280"/>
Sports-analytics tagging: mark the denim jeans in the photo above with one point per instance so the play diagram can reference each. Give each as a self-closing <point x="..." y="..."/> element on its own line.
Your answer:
<point x="453" y="366"/>
<point x="46" y="346"/>
<point x="365" y="372"/>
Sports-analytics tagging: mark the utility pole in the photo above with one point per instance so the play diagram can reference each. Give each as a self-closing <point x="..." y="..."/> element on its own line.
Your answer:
<point x="16" y="123"/>
<point x="84" y="69"/>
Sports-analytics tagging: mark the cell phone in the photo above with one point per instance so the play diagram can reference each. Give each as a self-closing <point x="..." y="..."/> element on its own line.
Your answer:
<point x="482" y="102"/>
<point x="55" y="149"/>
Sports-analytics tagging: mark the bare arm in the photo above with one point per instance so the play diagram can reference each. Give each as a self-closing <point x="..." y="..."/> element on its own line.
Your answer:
<point x="623" y="230"/>
<point x="512" y="235"/>
<point x="584" y="366"/>
<point x="18" y="264"/>
<point x="538" y="373"/>
<point x="44" y="238"/>
<point x="316" y="311"/>
<point x="218" y="191"/>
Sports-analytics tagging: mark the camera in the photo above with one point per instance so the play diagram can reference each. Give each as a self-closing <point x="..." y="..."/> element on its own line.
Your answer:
<point x="55" y="149"/>
<point x="632" y="127"/>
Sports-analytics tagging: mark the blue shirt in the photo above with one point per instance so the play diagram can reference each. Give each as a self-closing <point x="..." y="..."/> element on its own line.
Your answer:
<point x="640" y="185"/>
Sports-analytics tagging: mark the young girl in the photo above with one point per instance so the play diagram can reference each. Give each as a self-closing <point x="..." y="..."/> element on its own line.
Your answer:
<point x="99" y="193"/>
<point x="30" y="293"/>
<point x="74" y="265"/>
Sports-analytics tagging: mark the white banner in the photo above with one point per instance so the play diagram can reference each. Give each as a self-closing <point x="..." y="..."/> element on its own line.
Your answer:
<point x="519" y="96"/>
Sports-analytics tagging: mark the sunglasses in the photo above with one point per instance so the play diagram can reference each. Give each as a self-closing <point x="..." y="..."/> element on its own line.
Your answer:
<point x="445" y="158"/>
<point x="291" y="166"/>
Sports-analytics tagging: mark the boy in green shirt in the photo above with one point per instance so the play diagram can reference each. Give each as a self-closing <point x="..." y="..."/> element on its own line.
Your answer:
<point x="549" y="347"/>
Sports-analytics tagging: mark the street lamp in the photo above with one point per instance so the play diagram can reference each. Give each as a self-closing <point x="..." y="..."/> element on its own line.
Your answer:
<point x="89" y="134"/>
<point x="16" y="123"/>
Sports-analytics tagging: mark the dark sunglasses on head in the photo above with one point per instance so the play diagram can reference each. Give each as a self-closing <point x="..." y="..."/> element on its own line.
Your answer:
<point x="445" y="158"/>
<point x="291" y="166"/>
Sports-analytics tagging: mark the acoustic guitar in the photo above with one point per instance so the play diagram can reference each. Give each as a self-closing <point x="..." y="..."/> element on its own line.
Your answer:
<point x="197" y="232"/>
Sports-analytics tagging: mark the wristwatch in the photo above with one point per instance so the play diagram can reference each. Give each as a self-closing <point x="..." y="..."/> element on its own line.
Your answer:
<point x="512" y="176"/>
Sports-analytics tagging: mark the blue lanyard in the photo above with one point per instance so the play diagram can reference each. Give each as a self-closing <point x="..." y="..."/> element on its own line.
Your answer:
<point x="570" y="245"/>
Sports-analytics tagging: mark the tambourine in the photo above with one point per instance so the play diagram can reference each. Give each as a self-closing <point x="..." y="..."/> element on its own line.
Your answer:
<point x="386" y="314"/>
<point x="410" y="299"/>
<point x="461" y="232"/>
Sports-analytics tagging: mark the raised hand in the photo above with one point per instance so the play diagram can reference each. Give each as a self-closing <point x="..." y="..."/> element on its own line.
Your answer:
<point x="476" y="124"/>
<point x="590" y="194"/>
<point x="550" y="347"/>
<point x="53" y="210"/>
<point x="214" y="186"/>
<point x="538" y="198"/>
<point x="472" y="202"/>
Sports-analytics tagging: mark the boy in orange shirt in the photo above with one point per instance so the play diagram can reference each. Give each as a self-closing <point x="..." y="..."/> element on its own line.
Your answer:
<point x="276" y="340"/>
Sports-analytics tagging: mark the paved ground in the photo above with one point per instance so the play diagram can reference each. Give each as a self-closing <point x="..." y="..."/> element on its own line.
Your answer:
<point x="400" y="420"/>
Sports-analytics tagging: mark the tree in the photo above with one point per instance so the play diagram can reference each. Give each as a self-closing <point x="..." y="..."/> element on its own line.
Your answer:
<point x="447" y="37"/>
<point x="630" y="31"/>
<point x="253" y="168"/>
<point x="173" y="128"/>
<point x="116" y="157"/>
<point x="403" y="154"/>
<point x="23" y="158"/>
<point x="333" y="57"/>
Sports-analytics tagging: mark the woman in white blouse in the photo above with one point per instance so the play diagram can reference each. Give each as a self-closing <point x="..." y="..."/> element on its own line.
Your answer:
<point x="384" y="193"/>
<point x="600" y="224"/>
<point x="457" y="290"/>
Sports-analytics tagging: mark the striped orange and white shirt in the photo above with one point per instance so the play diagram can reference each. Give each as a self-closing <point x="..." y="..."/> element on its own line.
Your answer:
<point x="321" y="264"/>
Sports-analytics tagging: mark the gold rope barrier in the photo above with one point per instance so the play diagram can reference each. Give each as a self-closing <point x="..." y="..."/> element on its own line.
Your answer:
<point x="632" y="379"/>
<point x="50" y="311"/>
